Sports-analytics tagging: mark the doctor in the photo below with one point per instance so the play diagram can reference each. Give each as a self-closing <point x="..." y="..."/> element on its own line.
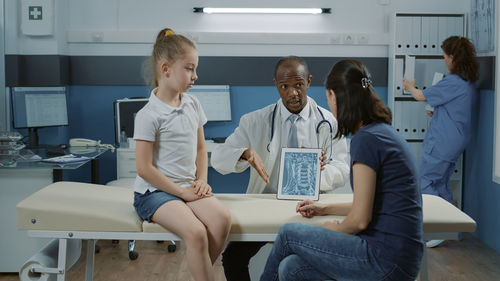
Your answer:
<point x="258" y="140"/>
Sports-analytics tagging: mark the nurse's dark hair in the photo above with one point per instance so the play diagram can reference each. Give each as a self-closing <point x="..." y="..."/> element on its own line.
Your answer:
<point x="463" y="53"/>
<point x="168" y="46"/>
<point x="291" y="61"/>
<point x="357" y="101"/>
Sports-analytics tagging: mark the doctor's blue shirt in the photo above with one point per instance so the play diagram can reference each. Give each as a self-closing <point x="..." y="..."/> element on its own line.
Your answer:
<point x="449" y="129"/>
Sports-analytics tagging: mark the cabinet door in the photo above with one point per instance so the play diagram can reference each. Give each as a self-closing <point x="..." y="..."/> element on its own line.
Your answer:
<point x="125" y="161"/>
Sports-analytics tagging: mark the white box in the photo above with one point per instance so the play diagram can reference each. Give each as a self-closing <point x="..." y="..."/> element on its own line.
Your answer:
<point x="37" y="17"/>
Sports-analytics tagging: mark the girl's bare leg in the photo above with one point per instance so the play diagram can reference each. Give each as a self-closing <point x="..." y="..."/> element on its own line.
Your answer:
<point x="217" y="220"/>
<point x="177" y="217"/>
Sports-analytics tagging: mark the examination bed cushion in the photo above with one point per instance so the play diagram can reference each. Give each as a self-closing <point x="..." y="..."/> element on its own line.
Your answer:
<point x="70" y="206"/>
<point x="262" y="213"/>
<point x="79" y="207"/>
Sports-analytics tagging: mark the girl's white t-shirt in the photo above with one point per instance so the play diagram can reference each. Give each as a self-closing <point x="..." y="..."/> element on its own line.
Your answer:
<point x="174" y="131"/>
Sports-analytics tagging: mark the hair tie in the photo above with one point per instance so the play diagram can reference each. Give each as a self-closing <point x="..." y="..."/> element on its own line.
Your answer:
<point x="169" y="32"/>
<point x="365" y="82"/>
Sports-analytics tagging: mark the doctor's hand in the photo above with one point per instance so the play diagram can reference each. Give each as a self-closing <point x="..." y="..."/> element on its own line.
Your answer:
<point x="322" y="160"/>
<point x="309" y="208"/>
<point x="254" y="159"/>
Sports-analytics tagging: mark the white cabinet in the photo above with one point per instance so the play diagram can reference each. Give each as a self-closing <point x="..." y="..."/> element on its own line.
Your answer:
<point x="125" y="163"/>
<point x="420" y="35"/>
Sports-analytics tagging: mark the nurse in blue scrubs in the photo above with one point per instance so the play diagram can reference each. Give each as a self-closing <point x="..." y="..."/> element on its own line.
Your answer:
<point x="449" y="129"/>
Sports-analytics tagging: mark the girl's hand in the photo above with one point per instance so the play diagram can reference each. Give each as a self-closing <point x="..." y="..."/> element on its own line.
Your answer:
<point x="189" y="194"/>
<point x="201" y="188"/>
<point x="309" y="208"/>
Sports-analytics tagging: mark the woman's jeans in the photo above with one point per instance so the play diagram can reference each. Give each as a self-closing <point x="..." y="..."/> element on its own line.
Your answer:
<point x="306" y="252"/>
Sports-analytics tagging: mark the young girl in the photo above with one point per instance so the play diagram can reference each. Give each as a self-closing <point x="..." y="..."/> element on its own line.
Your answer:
<point x="449" y="129"/>
<point x="381" y="235"/>
<point x="171" y="187"/>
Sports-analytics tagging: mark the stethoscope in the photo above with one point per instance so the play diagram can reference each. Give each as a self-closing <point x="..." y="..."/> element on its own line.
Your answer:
<point x="318" y="128"/>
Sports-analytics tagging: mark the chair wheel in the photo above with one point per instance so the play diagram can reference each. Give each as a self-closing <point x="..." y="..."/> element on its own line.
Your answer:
<point x="133" y="255"/>
<point x="171" y="248"/>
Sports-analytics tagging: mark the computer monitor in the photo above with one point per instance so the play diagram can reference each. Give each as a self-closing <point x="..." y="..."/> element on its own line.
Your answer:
<point x="36" y="107"/>
<point x="125" y="111"/>
<point x="215" y="101"/>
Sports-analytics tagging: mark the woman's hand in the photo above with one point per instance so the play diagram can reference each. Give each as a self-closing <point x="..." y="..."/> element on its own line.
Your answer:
<point x="309" y="208"/>
<point x="407" y="85"/>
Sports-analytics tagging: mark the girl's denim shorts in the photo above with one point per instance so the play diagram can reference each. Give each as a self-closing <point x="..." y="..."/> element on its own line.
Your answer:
<point x="146" y="204"/>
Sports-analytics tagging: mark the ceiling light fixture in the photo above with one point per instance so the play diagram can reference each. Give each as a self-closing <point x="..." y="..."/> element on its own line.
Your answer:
<point x="262" y="10"/>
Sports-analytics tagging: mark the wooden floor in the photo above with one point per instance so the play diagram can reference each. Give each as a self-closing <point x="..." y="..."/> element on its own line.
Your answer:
<point x="468" y="259"/>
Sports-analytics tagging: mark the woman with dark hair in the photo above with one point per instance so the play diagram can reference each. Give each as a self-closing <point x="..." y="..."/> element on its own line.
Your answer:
<point x="381" y="235"/>
<point x="449" y="130"/>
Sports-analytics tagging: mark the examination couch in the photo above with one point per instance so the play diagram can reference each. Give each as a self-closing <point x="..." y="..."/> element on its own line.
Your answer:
<point x="70" y="210"/>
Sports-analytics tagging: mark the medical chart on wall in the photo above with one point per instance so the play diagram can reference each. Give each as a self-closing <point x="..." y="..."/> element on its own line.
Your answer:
<point x="483" y="25"/>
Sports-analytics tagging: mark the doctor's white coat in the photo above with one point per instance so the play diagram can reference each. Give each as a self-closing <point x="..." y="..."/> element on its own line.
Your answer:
<point x="254" y="131"/>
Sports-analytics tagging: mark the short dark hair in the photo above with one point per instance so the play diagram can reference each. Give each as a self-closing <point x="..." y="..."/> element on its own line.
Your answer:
<point x="356" y="101"/>
<point x="291" y="61"/>
<point x="463" y="53"/>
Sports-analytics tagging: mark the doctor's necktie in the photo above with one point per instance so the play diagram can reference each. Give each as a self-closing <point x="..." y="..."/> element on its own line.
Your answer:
<point x="292" y="135"/>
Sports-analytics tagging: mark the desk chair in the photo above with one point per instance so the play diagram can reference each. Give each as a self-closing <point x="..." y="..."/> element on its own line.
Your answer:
<point x="132" y="254"/>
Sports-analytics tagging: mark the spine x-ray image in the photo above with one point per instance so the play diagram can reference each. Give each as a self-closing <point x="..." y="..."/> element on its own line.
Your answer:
<point x="299" y="173"/>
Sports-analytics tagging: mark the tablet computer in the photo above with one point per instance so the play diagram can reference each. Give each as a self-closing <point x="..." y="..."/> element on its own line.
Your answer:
<point x="299" y="175"/>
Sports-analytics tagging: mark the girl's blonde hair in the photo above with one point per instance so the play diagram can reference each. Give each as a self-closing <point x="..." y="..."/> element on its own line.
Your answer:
<point x="168" y="46"/>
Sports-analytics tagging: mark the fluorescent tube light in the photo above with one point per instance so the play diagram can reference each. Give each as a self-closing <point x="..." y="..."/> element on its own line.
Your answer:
<point x="262" y="10"/>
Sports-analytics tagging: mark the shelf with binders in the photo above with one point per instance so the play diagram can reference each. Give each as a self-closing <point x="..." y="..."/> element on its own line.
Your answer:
<point x="422" y="34"/>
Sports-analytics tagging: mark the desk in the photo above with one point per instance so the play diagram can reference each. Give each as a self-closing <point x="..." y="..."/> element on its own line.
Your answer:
<point x="21" y="176"/>
<point x="30" y="159"/>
